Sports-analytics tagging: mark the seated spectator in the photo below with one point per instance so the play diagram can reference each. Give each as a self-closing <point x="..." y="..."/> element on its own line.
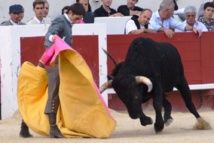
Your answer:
<point x="105" y="10"/>
<point x="16" y="13"/>
<point x="162" y="20"/>
<point x="129" y="9"/>
<point x="65" y="9"/>
<point x="89" y="16"/>
<point x="207" y="19"/>
<point x="138" y="24"/>
<point x="38" y="8"/>
<point x="190" y="15"/>
<point x="201" y="10"/>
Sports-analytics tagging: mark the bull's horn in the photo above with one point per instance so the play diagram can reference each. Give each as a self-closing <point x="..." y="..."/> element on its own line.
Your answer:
<point x="145" y="80"/>
<point x="105" y="86"/>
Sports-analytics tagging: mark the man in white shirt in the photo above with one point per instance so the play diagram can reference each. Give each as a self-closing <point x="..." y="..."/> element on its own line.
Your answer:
<point x="162" y="20"/>
<point x="138" y="24"/>
<point x="190" y="15"/>
<point x="38" y="8"/>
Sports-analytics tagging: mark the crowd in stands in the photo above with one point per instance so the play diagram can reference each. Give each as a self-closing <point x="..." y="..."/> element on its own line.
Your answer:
<point x="142" y="20"/>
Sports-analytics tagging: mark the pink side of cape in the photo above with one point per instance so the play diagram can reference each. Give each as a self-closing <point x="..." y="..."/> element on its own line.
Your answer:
<point x="51" y="53"/>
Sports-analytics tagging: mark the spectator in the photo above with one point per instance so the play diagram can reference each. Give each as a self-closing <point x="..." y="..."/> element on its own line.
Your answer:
<point x="129" y="9"/>
<point x="61" y="26"/>
<point x="105" y="10"/>
<point x="38" y="8"/>
<point x="65" y="9"/>
<point x="16" y="13"/>
<point x="85" y="4"/>
<point x="89" y="16"/>
<point x="207" y="19"/>
<point x="46" y="8"/>
<point x="190" y="16"/>
<point x="138" y="24"/>
<point x="162" y="20"/>
<point x="201" y="10"/>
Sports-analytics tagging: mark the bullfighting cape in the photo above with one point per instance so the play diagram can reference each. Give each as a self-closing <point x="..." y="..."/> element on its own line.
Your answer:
<point x="82" y="111"/>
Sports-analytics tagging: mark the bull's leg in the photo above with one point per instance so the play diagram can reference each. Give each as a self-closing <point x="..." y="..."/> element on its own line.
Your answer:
<point x="145" y="120"/>
<point x="157" y="95"/>
<point x="185" y="93"/>
<point x="135" y="111"/>
<point x="184" y="90"/>
<point x="167" y="111"/>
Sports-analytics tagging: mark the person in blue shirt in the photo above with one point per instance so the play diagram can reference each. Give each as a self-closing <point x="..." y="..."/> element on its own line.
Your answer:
<point x="162" y="20"/>
<point x="190" y="18"/>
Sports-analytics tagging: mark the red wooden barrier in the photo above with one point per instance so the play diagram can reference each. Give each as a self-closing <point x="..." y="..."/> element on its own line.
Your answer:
<point x="197" y="55"/>
<point x="32" y="49"/>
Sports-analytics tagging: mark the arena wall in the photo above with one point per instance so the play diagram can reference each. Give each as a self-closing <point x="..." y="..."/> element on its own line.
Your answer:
<point x="21" y="43"/>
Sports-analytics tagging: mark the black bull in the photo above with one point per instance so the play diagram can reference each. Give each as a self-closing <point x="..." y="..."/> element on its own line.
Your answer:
<point x="150" y="69"/>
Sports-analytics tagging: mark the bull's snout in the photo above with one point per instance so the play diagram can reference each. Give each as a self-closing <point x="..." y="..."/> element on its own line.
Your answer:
<point x="134" y="114"/>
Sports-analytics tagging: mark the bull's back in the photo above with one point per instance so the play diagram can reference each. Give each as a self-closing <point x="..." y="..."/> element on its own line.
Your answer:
<point x="154" y="60"/>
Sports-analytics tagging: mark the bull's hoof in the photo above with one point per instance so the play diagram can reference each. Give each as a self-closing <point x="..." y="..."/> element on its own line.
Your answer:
<point x="158" y="127"/>
<point x="202" y="124"/>
<point x="146" y="121"/>
<point x="168" y="121"/>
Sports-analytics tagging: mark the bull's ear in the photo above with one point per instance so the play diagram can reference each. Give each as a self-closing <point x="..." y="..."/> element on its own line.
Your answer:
<point x="110" y="77"/>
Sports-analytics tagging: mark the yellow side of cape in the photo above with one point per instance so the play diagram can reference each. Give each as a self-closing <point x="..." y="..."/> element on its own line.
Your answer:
<point x="82" y="113"/>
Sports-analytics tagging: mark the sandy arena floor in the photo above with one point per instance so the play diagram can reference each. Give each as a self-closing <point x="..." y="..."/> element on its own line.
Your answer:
<point x="127" y="131"/>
